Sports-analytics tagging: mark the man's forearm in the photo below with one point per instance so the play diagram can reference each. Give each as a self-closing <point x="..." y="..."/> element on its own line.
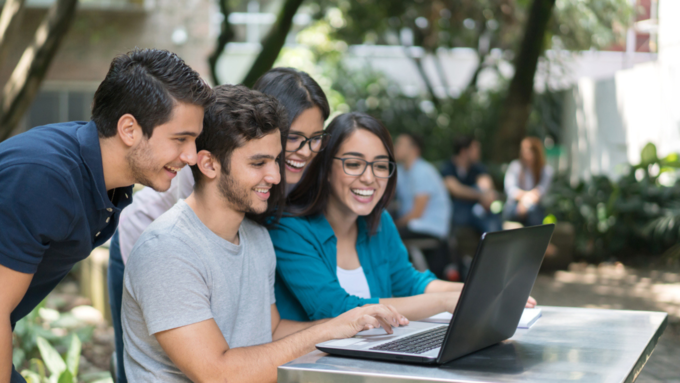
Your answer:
<point x="259" y="363"/>
<point x="5" y="350"/>
<point x="288" y="327"/>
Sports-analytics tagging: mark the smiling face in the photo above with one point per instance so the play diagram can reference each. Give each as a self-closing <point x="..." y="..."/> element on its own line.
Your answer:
<point x="308" y="124"/>
<point x="155" y="160"/>
<point x="404" y="149"/>
<point x="357" y="195"/>
<point x="253" y="170"/>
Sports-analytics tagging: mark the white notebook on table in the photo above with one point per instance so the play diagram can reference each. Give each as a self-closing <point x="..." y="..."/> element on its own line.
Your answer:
<point x="529" y="317"/>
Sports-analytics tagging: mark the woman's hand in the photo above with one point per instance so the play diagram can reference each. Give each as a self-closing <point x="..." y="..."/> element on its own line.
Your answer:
<point x="531" y="303"/>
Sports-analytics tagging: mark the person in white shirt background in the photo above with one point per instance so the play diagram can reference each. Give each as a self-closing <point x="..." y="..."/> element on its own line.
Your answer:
<point x="307" y="108"/>
<point x="526" y="183"/>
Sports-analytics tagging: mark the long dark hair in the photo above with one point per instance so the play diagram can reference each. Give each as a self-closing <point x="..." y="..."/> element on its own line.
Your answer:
<point x="310" y="196"/>
<point x="539" y="159"/>
<point x="296" y="90"/>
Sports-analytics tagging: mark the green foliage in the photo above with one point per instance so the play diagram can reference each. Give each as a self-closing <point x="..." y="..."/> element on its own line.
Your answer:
<point x="640" y="212"/>
<point x="60" y="371"/>
<point x="365" y="90"/>
<point x="587" y="24"/>
<point x="480" y="24"/>
<point x="39" y="335"/>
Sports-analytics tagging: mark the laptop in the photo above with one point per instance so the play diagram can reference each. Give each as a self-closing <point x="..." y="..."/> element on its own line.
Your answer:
<point x="491" y="304"/>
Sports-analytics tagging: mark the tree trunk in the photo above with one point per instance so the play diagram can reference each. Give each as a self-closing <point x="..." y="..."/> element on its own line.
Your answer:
<point x="442" y="73"/>
<point x="273" y="42"/>
<point x="23" y="85"/>
<point x="10" y="19"/>
<point x="517" y="105"/>
<point x="226" y="35"/>
<point x="418" y="62"/>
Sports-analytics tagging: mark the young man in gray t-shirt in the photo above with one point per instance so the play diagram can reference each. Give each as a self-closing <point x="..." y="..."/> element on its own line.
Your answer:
<point x="198" y="299"/>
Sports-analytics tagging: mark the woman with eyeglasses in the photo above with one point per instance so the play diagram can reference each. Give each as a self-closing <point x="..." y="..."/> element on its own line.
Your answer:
<point x="338" y="249"/>
<point x="307" y="108"/>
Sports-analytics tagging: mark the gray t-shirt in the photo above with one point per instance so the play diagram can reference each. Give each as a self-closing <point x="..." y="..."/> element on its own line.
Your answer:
<point x="180" y="273"/>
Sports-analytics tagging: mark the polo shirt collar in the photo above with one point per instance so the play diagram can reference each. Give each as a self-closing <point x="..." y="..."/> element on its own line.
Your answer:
<point x="91" y="152"/>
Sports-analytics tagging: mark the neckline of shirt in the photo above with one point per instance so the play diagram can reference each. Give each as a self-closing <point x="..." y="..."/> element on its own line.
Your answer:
<point x="231" y="248"/>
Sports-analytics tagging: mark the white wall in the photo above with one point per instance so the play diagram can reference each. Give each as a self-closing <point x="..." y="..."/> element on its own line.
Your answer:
<point x="607" y="121"/>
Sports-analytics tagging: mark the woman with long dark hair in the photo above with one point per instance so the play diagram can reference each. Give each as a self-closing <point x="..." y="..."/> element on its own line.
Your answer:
<point x="526" y="182"/>
<point x="338" y="249"/>
<point x="307" y="109"/>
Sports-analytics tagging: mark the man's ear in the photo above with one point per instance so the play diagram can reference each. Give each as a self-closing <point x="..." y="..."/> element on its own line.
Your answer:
<point x="208" y="164"/>
<point x="129" y="130"/>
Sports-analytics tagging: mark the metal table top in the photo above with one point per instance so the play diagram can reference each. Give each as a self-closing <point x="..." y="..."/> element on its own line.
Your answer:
<point x="564" y="345"/>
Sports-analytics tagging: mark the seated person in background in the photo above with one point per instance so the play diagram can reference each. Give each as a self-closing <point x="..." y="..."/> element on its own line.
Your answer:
<point x="471" y="187"/>
<point x="526" y="182"/>
<point x="424" y="205"/>
<point x="198" y="299"/>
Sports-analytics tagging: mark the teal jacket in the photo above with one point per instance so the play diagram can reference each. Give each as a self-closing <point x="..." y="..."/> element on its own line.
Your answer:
<point x="307" y="286"/>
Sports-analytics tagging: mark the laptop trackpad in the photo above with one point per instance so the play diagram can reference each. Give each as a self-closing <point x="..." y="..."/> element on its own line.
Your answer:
<point x="380" y="334"/>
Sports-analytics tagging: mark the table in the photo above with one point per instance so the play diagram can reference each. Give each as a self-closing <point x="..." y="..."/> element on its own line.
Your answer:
<point x="565" y="345"/>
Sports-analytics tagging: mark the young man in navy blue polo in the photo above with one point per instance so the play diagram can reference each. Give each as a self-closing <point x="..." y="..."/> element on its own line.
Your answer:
<point x="62" y="186"/>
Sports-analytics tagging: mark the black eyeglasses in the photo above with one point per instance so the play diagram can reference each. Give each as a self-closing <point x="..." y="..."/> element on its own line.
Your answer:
<point x="357" y="167"/>
<point x="296" y="141"/>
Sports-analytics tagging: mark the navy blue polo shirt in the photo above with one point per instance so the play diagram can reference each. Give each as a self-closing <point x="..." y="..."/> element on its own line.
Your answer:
<point x="54" y="206"/>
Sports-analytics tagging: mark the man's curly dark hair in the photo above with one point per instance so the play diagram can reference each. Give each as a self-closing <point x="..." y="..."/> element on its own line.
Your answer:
<point x="236" y="116"/>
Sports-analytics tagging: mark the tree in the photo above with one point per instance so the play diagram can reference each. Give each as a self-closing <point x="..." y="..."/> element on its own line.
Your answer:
<point x="10" y="19"/>
<point x="23" y="85"/>
<point x="225" y="36"/>
<point x="497" y="30"/>
<point x="273" y="42"/>
<point x="517" y="105"/>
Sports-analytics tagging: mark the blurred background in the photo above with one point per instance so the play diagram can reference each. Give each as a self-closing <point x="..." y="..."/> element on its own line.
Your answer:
<point x="597" y="81"/>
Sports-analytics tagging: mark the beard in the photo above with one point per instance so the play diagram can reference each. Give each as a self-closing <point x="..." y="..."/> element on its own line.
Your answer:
<point x="237" y="195"/>
<point x="140" y="159"/>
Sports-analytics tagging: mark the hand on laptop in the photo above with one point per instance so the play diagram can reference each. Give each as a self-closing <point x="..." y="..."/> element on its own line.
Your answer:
<point x="531" y="303"/>
<point x="365" y="318"/>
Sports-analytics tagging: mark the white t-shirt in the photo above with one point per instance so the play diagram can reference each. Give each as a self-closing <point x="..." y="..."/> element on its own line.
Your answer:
<point x="354" y="282"/>
<point x="147" y="205"/>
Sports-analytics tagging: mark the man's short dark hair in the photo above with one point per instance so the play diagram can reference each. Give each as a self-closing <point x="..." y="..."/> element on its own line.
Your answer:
<point x="416" y="140"/>
<point x="236" y="116"/>
<point x="461" y="143"/>
<point x="146" y="83"/>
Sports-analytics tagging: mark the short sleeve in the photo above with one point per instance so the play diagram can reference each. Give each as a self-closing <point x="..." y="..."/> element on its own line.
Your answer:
<point x="424" y="181"/>
<point x="478" y="169"/>
<point x="36" y="208"/>
<point x="169" y="283"/>
<point x="311" y="280"/>
<point x="406" y="280"/>
<point x="448" y="170"/>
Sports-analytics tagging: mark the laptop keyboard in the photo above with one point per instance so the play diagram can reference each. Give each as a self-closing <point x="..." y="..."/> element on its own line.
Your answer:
<point x="417" y="343"/>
